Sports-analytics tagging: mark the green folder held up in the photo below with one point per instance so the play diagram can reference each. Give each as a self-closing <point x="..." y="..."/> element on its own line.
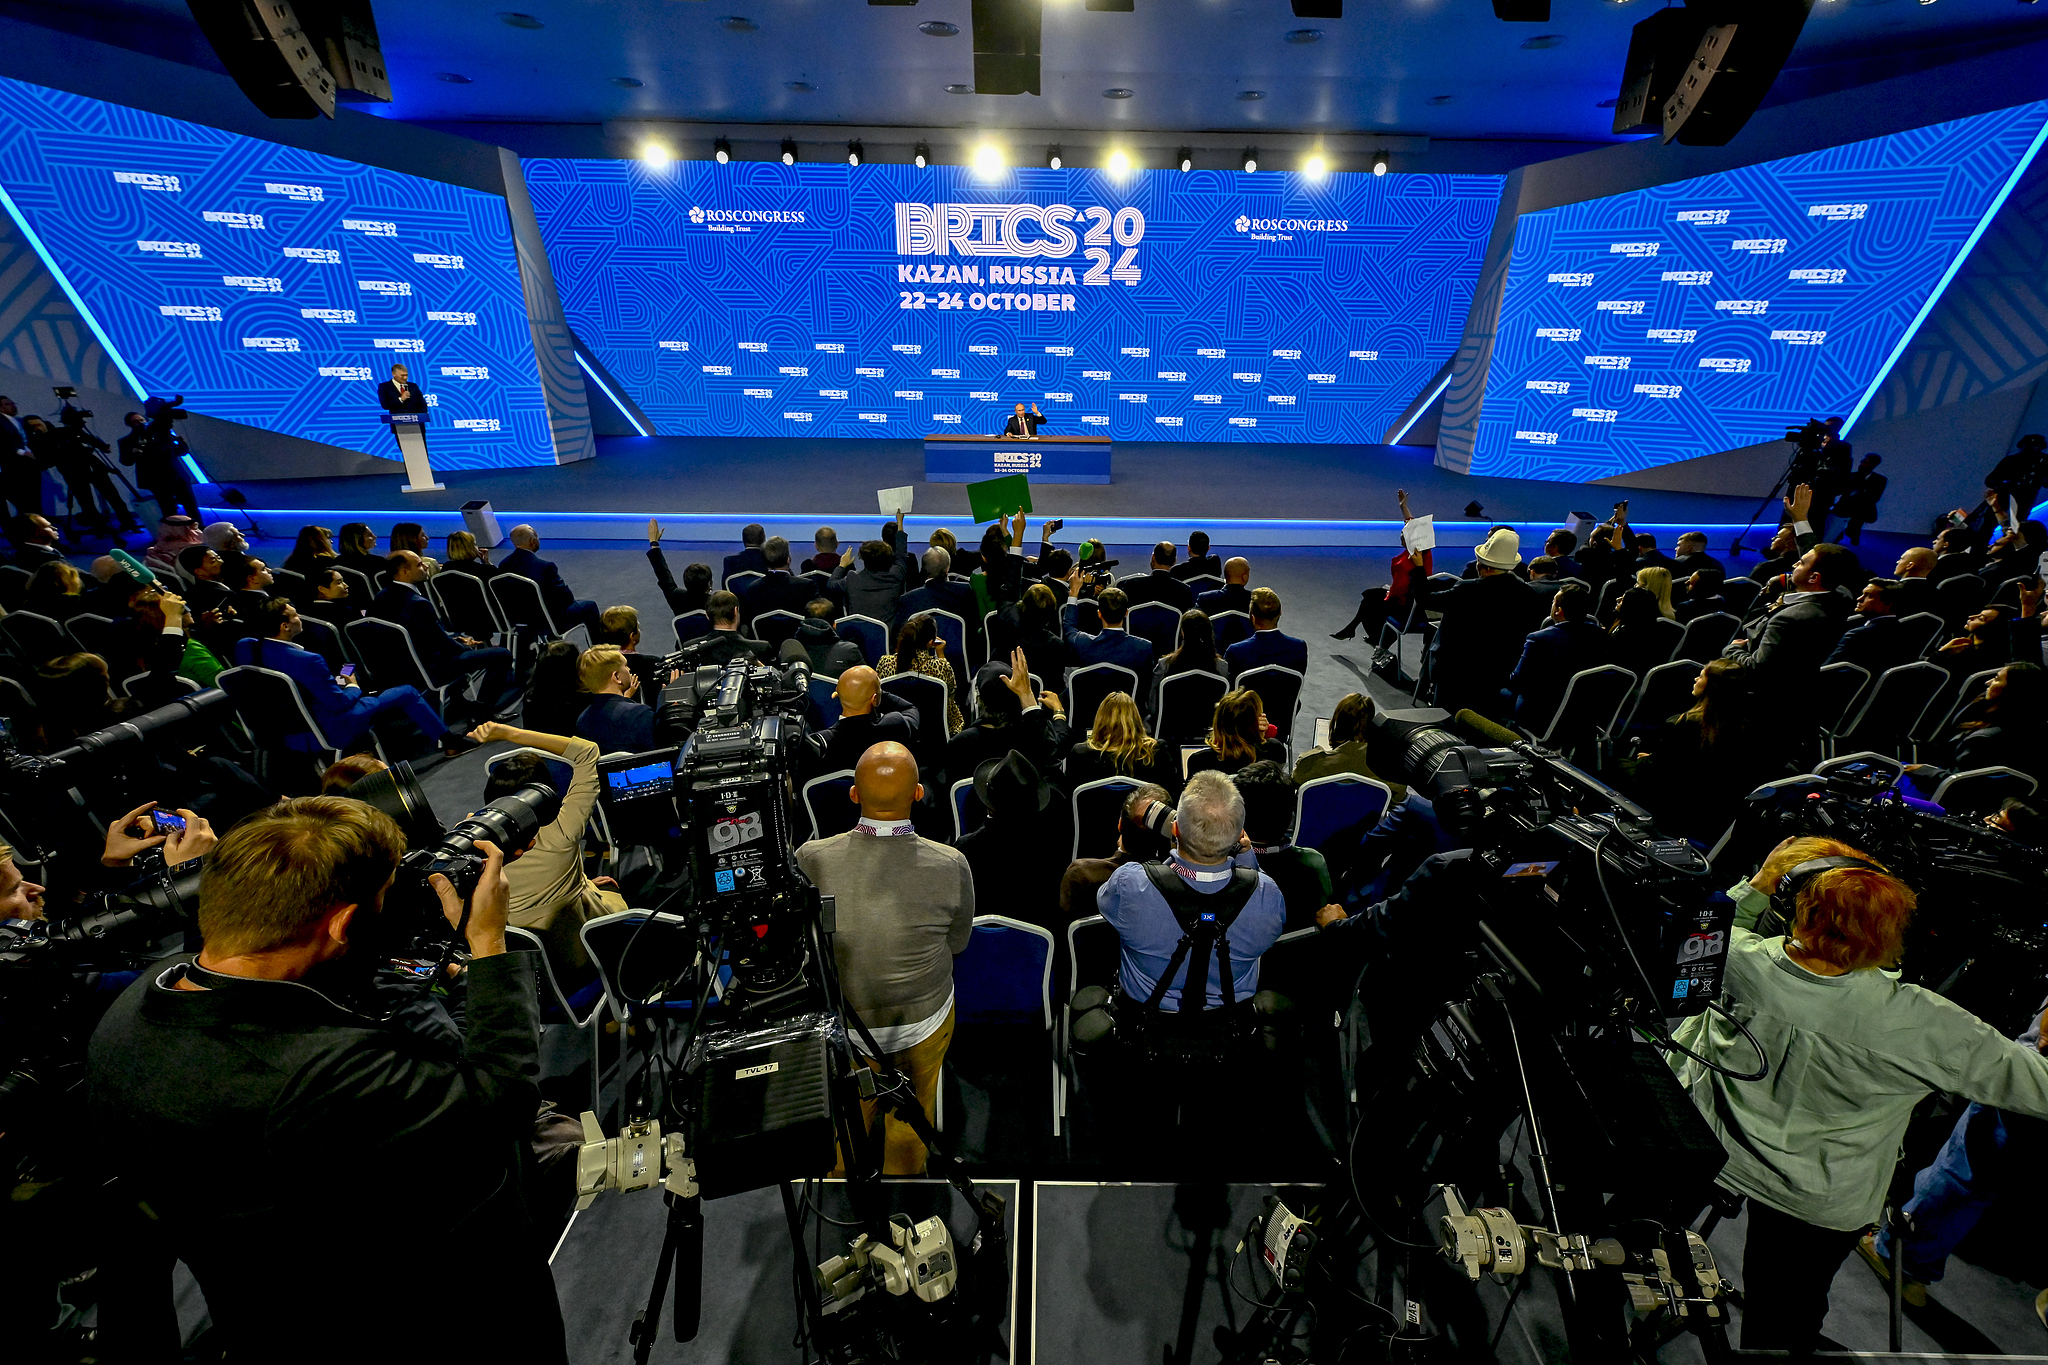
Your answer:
<point x="999" y="499"/>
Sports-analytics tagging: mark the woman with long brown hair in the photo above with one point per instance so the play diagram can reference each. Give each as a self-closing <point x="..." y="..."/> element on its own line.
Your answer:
<point x="1119" y="746"/>
<point x="1237" y="736"/>
<point x="920" y="650"/>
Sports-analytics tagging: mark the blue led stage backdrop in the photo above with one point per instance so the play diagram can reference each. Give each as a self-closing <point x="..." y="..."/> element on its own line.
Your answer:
<point x="882" y="300"/>
<point x="1700" y="316"/>
<point x="276" y="287"/>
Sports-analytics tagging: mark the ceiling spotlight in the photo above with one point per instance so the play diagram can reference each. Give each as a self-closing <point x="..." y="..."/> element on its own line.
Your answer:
<point x="1118" y="92"/>
<point x="1052" y="157"/>
<point x="1379" y="163"/>
<point x="1301" y="36"/>
<point x="855" y="153"/>
<point x="788" y="152"/>
<point x="1251" y="160"/>
<point x="959" y="89"/>
<point x="1543" y="41"/>
<point x="721" y="151"/>
<point x="737" y="24"/>
<point x="1250" y="95"/>
<point x="800" y="87"/>
<point x="654" y="156"/>
<point x="1119" y="164"/>
<point x="920" y="156"/>
<point x="452" y="77"/>
<point x="1186" y="157"/>
<point x="988" y="160"/>
<point x="939" y="29"/>
<point x="1443" y="99"/>
<point x="1315" y="167"/>
<point x="512" y="20"/>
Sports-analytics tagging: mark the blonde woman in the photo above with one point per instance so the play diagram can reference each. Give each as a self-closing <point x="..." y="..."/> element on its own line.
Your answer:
<point x="465" y="556"/>
<point x="1657" y="582"/>
<point x="1118" y="746"/>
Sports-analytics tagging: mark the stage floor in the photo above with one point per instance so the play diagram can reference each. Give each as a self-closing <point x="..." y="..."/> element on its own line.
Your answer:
<point x="1257" y="494"/>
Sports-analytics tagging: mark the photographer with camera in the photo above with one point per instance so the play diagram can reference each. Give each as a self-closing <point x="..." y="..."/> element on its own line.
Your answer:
<point x="154" y="447"/>
<point x="272" y="1129"/>
<point x="1849" y="1051"/>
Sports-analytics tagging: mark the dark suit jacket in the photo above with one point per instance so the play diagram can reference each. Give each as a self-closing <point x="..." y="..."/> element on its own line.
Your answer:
<point x="553" y="590"/>
<point x="1688" y="565"/>
<point x="341" y="711"/>
<point x="1114" y="645"/>
<point x="403" y="604"/>
<point x="749" y="560"/>
<point x="957" y="598"/>
<point x="1479" y="638"/>
<point x="721" y="647"/>
<point x="414" y="400"/>
<point x="1227" y="598"/>
<point x="1266" y="647"/>
<point x="1549" y="658"/>
<point x="1035" y="734"/>
<point x="1206" y="565"/>
<point x="1874" y="642"/>
<point x="779" y="591"/>
<point x="1795" y="639"/>
<point x="617" y="724"/>
<point x="679" y="600"/>
<point x="841" y="745"/>
<point x="1159" y="586"/>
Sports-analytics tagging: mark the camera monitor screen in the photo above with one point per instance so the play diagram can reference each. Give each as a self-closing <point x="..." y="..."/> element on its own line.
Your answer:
<point x="637" y="778"/>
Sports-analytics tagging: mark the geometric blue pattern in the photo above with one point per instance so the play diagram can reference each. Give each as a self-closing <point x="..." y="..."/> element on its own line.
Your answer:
<point x="762" y="300"/>
<point x="1705" y="315"/>
<point x="275" y="287"/>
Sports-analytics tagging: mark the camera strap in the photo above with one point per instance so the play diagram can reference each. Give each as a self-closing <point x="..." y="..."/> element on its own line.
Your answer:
<point x="1205" y="921"/>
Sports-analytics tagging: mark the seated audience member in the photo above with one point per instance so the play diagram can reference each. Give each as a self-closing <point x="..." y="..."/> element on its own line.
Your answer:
<point x="1913" y="592"/>
<point x="249" y="583"/>
<point x="1349" y="724"/>
<point x="1237" y="737"/>
<point x="1562" y="546"/>
<point x="466" y="556"/>
<point x="1037" y="632"/>
<point x="568" y="609"/>
<point x="938" y="593"/>
<point x="74" y="696"/>
<point x="446" y="656"/>
<point x="1010" y="718"/>
<point x="36" y="542"/>
<point x="825" y="556"/>
<point x="164" y="634"/>
<point x="1986" y="642"/>
<point x="883" y="576"/>
<point x="1873" y="638"/>
<point x="1702" y="595"/>
<point x="748" y="560"/>
<point x="173" y="534"/>
<point x="1635" y="640"/>
<point x="1267" y="644"/>
<point x="1816" y="998"/>
<point x="348" y="770"/>
<point x="1693" y="556"/>
<point x="1648" y="556"/>
<point x="920" y="650"/>
<point x="621" y="626"/>
<point x="1570" y="644"/>
<point x="314" y="549"/>
<point x="202" y="565"/>
<point x="56" y="590"/>
<point x="616" y="720"/>
<point x="327" y="598"/>
<point x="1020" y="852"/>
<point x="1483" y="624"/>
<point x="697" y="586"/>
<point x="1112" y="644"/>
<point x="964" y="562"/>
<point x="905" y="910"/>
<point x="344" y="712"/>
<point x="867" y="716"/>
<point x="1693" y="770"/>
<point x="780" y="590"/>
<point x="1543" y="578"/>
<point x="555" y="698"/>
<point x="107" y="594"/>
<point x="1656" y="581"/>
<point x="1141" y="838"/>
<point x="1199" y="563"/>
<point x="1233" y="595"/>
<point x="1161" y="584"/>
<point x="550" y="893"/>
<point x="1955" y="552"/>
<point x="225" y="537"/>
<point x="2006" y="726"/>
<point x="264" y="1032"/>
<point x="2016" y="555"/>
<point x="829" y="655"/>
<point x="410" y="535"/>
<point x="1801" y="631"/>
<point x="1117" y="746"/>
<point x="359" y="551"/>
<point x="1302" y="874"/>
<point x="1000" y="574"/>
<point x="1407" y="582"/>
<point x="1195" y="653"/>
<point x="1471" y="569"/>
<point x="723" y="642"/>
<point x="1779" y="556"/>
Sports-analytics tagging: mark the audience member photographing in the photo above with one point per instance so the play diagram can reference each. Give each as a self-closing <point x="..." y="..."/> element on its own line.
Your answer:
<point x="550" y="894"/>
<point x="1237" y="737"/>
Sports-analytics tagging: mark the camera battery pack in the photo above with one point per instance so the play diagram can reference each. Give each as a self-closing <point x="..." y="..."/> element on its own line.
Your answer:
<point x="764" y="1105"/>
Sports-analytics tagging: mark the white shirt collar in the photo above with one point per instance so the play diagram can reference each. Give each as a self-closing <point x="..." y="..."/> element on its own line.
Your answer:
<point x="885" y="829"/>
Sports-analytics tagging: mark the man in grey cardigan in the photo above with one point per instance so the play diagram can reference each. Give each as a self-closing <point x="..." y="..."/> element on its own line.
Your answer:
<point x="905" y="911"/>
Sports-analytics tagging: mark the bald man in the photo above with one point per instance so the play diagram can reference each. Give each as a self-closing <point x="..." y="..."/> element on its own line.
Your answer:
<point x="867" y="717"/>
<point x="1234" y="595"/>
<point x="1915" y="591"/>
<point x="905" y="911"/>
<point x="568" y="609"/>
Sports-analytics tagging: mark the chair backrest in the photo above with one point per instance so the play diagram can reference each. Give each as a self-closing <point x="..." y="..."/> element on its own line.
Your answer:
<point x="520" y="603"/>
<point x="290" y="582"/>
<point x="1140" y="576"/>
<point x="1674" y="632"/>
<point x="1336" y="812"/>
<point x="871" y="635"/>
<point x="690" y="624"/>
<point x="14" y="581"/>
<point x="1706" y="636"/>
<point x="15" y="702"/>
<point x="928" y="694"/>
<point x="1592" y="699"/>
<point x="825" y="707"/>
<point x="1098" y="807"/>
<point x="1156" y="622"/>
<point x="1933" y="726"/>
<point x="1187" y="703"/>
<point x="825" y="801"/>
<point x="744" y="579"/>
<point x="270" y="704"/>
<point x="1231" y="628"/>
<point x="360" y="590"/>
<point x="94" y="634"/>
<point x="1279" y="692"/>
<point x="1920" y="631"/>
<point x="1086" y="687"/>
<point x="776" y="626"/>
<point x="1894" y="705"/>
<point x="951" y="628"/>
<point x="591" y="998"/>
<point x="324" y="640"/>
<point x="1094" y="952"/>
<point x="1004" y="974"/>
<point x="1841" y="685"/>
<point x="1200" y="583"/>
<point x="1666" y="690"/>
<point x="1960" y="595"/>
<point x="35" y="637"/>
<point x="387" y="654"/>
<point x="969" y="814"/>
<point x="465" y="604"/>
<point x="632" y="957"/>
<point x="1741" y="594"/>
<point x="1979" y="791"/>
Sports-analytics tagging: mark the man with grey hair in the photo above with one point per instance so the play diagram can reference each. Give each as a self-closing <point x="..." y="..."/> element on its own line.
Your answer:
<point x="779" y="590"/>
<point x="568" y="609"/>
<point x="939" y="594"/>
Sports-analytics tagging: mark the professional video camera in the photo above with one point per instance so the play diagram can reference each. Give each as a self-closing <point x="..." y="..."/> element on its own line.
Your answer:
<point x="70" y="415"/>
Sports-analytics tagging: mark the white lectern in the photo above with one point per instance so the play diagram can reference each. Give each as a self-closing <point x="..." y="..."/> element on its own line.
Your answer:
<point x="410" y="430"/>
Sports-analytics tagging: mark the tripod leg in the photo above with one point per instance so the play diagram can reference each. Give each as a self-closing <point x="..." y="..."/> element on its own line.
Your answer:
<point x="806" y="1283"/>
<point x="641" y="1333"/>
<point x="689" y="1270"/>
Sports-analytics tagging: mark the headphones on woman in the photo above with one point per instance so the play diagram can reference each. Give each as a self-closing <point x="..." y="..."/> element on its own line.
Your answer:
<point x="1785" y="898"/>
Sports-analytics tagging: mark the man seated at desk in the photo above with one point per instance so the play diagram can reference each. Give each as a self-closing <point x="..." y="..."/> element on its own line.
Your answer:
<point x="1024" y="424"/>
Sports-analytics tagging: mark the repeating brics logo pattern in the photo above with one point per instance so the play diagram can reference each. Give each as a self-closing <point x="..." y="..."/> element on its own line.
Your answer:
<point x="886" y="301"/>
<point x="276" y="287"/>
<point x="1700" y="316"/>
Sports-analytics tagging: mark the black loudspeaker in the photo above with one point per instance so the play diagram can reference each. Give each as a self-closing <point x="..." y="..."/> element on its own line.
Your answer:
<point x="1522" y="11"/>
<point x="1006" y="46"/>
<point x="1738" y="56"/>
<point x="1660" y="50"/>
<point x="294" y="60"/>
<point x="1319" y="9"/>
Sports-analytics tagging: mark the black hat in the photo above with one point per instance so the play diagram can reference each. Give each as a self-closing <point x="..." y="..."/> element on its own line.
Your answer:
<point x="1006" y="784"/>
<point x="2033" y="442"/>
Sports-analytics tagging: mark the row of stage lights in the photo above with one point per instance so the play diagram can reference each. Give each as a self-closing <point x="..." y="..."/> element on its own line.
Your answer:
<point x="988" y="159"/>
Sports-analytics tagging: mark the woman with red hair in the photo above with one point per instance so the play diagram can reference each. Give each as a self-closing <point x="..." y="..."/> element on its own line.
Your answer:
<point x="1849" y="1051"/>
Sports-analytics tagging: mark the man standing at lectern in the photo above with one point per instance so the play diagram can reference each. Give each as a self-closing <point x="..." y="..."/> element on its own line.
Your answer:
<point x="1024" y="424"/>
<point x="400" y="394"/>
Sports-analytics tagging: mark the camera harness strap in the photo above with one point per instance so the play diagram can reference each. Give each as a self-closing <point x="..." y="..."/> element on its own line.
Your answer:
<point x="1205" y="921"/>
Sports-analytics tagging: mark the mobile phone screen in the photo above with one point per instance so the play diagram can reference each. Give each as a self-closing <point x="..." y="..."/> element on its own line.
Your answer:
<point x="348" y="670"/>
<point x="168" y="823"/>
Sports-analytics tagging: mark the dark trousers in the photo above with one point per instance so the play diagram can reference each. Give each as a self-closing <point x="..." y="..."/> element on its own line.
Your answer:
<point x="21" y="486"/>
<point x="495" y="664"/>
<point x="173" y="494"/>
<point x="583" y="612"/>
<point x="1787" y="1268"/>
<point x="392" y="702"/>
<point x="95" y="496"/>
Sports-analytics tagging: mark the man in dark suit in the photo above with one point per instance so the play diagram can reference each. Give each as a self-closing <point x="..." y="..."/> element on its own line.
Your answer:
<point x="1792" y="640"/>
<point x="1955" y="552"/>
<point x="1267" y="645"/>
<point x="1114" y="645"/>
<point x="447" y="656"/>
<point x="748" y="560"/>
<point x="1648" y="556"/>
<point x="1482" y="629"/>
<point x="1873" y="637"/>
<point x="1702" y="593"/>
<point x="344" y="712"/>
<point x="780" y="590"/>
<point x="697" y="584"/>
<point x="1912" y="592"/>
<point x="1160" y="585"/>
<point x="617" y="720"/>
<point x="1562" y="546"/>
<point x="1693" y="556"/>
<point x="1233" y="595"/>
<point x="1543" y="578"/>
<point x="1779" y="556"/>
<point x="1570" y="644"/>
<point x="36" y="541"/>
<point x="248" y="581"/>
<point x="867" y="716"/>
<point x="939" y="594"/>
<point x="400" y="394"/>
<point x="723" y="642"/>
<point x="21" y="478"/>
<point x="1022" y="423"/>
<point x="567" y="607"/>
<point x="1199" y="563"/>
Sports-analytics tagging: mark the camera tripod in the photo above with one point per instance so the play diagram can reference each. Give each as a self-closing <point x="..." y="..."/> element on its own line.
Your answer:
<point x="1791" y="474"/>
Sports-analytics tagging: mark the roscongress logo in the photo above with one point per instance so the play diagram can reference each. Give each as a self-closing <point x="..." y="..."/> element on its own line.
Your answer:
<point x="701" y="216"/>
<point x="1293" y="224"/>
<point x="1244" y="223"/>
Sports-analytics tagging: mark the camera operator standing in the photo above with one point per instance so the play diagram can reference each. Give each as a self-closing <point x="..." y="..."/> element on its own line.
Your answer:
<point x="290" y="1147"/>
<point x="153" y="446"/>
<point x="1850" y="1050"/>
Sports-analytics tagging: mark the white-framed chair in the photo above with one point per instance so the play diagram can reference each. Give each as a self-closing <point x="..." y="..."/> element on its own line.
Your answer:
<point x="1980" y="790"/>
<point x="1187" y="703"/>
<point x="1591" y="703"/>
<point x="737" y="584"/>
<point x="1097" y="810"/>
<point x="952" y="628"/>
<point x="870" y="634"/>
<point x="1279" y="692"/>
<point x="1338" y="810"/>
<point x="826" y="803"/>
<point x="774" y="626"/>
<point x="688" y="625"/>
<point x="968" y="812"/>
<point x="1664" y="691"/>
<point x="995" y="984"/>
<point x="1086" y="687"/>
<point x="523" y="607"/>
